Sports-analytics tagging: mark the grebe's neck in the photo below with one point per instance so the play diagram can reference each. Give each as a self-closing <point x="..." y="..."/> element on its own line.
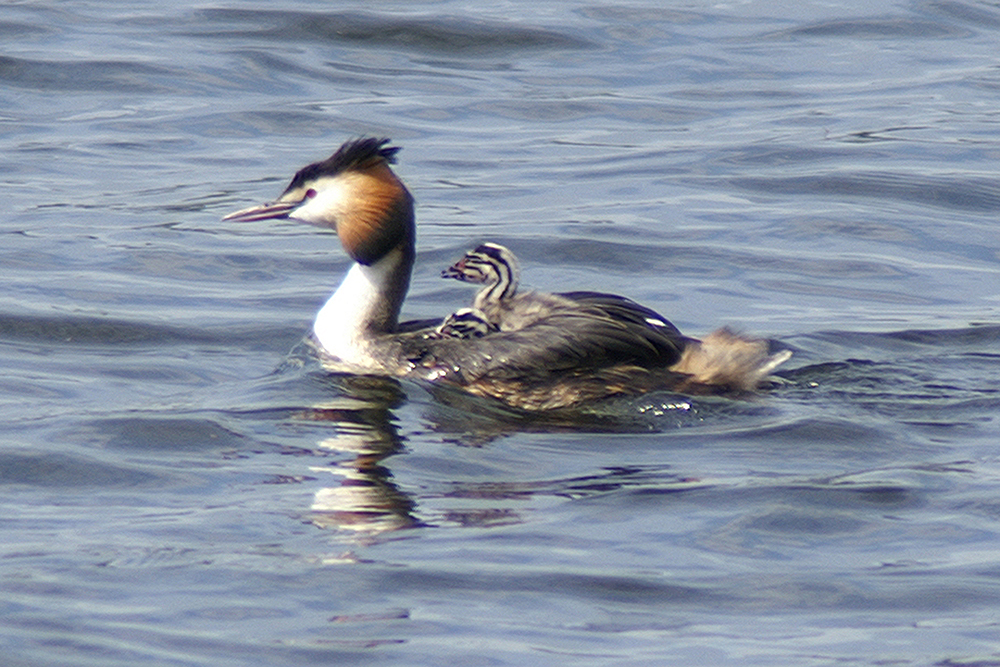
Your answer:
<point x="365" y="306"/>
<point x="502" y="288"/>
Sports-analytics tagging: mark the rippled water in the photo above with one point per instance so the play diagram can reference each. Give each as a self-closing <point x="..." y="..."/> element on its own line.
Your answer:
<point x="183" y="485"/>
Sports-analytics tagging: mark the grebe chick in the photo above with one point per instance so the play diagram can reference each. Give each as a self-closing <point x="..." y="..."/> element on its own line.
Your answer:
<point x="497" y="270"/>
<point x="464" y="323"/>
<point x="573" y="348"/>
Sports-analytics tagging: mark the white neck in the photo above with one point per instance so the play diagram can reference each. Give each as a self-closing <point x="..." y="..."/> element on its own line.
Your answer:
<point x="365" y="306"/>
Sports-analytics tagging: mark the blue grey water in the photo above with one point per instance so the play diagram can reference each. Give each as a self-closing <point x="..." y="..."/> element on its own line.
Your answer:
<point x="182" y="485"/>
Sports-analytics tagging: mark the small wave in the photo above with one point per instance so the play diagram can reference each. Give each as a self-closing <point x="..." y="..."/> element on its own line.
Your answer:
<point x="65" y="472"/>
<point x="82" y="330"/>
<point x="82" y="75"/>
<point x="877" y="28"/>
<point x="956" y="193"/>
<point x="433" y="35"/>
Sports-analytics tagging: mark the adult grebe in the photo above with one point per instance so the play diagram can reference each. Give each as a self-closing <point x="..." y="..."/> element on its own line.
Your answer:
<point x="562" y="350"/>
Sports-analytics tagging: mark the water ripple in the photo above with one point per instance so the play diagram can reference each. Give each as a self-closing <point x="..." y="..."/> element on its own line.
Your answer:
<point x="83" y="75"/>
<point x="872" y="28"/>
<point x="956" y="193"/>
<point x="430" y="35"/>
<point x="100" y="331"/>
<point x="61" y="471"/>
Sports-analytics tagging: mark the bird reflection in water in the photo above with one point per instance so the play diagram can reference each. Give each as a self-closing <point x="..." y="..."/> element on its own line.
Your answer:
<point x="366" y="500"/>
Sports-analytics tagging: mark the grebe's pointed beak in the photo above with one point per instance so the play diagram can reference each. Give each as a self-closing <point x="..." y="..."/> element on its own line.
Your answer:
<point x="455" y="271"/>
<point x="451" y="272"/>
<point x="270" y="211"/>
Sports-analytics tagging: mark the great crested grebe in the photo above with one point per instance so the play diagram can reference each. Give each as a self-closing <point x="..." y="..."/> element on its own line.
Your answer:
<point x="556" y="350"/>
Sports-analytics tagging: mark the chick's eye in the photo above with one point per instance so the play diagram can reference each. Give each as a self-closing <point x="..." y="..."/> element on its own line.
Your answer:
<point x="310" y="193"/>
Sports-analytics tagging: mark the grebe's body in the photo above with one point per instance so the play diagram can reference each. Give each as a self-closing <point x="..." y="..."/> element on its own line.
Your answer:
<point x="533" y="351"/>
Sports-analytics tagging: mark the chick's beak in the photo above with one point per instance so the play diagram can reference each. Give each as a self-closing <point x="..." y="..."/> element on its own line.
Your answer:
<point x="270" y="211"/>
<point x="455" y="271"/>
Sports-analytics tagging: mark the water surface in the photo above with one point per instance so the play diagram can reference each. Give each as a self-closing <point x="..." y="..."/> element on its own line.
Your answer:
<point x="184" y="486"/>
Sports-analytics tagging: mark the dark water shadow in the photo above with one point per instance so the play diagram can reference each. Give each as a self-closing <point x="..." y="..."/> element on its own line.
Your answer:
<point x="432" y="35"/>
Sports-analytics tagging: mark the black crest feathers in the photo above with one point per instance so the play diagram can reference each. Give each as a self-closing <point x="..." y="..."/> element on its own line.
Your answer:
<point x="355" y="154"/>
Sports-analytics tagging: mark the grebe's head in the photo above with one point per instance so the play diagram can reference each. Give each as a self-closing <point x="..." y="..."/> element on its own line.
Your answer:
<point x="355" y="193"/>
<point x="486" y="264"/>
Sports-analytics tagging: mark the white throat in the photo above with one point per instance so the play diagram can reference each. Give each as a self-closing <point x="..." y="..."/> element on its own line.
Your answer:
<point x="365" y="306"/>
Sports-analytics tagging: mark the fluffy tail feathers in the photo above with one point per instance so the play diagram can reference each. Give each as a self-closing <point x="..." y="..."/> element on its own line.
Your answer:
<point x="727" y="360"/>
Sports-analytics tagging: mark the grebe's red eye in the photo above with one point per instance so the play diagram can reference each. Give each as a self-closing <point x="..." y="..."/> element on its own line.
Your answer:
<point x="310" y="193"/>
